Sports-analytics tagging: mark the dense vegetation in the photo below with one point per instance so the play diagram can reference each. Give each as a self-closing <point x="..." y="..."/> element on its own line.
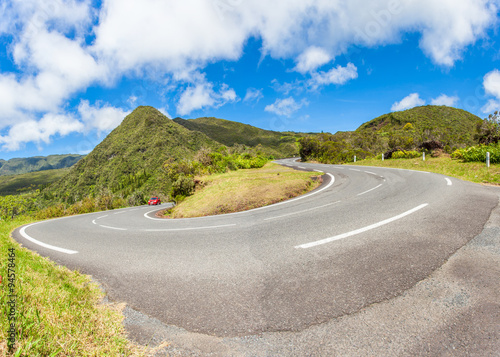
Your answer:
<point x="14" y="184"/>
<point x="38" y="163"/>
<point x="232" y="133"/>
<point x="128" y="162"/>
<point x="478" y="153"/>
<point x="418" y="129"/>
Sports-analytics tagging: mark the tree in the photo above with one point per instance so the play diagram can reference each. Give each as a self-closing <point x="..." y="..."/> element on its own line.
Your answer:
<point x="488" y="131"/>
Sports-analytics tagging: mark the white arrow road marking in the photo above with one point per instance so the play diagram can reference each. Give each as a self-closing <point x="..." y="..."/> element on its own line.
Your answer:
<point x="45" y="245"/>
<point x="361" y="230"/>
<point x="448" y="181"/>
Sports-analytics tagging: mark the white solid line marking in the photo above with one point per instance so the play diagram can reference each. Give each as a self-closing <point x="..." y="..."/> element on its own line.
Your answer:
<point x="448" y="181"/>
<point x="301" y="167"/>
<point x="102" y="216"/>
<point x="118" y="229"/>
<point x="258" y="208"/>
<point x="318" y="170"/>
<point x="361" y="230"/>
<point x="371" y="189"/>
<point x="188" y="229"/>
<point x="306" y="210"/>
<point x="45" y="245"/>
<point x="155" y="210"/>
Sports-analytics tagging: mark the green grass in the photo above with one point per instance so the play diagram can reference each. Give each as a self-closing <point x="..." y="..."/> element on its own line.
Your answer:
<point x="245" y="189"/>
<point x="58" y="311"/>
<point x="12" y="184"/>
<point x="469" y="171"/>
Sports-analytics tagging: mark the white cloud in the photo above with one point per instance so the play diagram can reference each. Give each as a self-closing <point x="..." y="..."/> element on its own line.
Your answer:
<point x="311" y="59"/>
<point x="184" y="36"/>
<point x="491" y="84"/>
<point x="39" y="131"/>
<point x="102" y="118"/>
<point x="443" y="99"/>
<point x="338" y="75"/>
<point x="177" y="39"/>
<point x="178" y="36"/>
<point x="491" y="106"/>
<point x="165" y="112"/>
<point x="227" y="95"/>
<point x="285" y="107"/>
<point x="202" y="95"/>
<point x="253" y="94"/>
<point x="412" y="100"/>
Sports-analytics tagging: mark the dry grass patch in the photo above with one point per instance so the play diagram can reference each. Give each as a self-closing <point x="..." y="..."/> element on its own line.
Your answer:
<point x="245" y="189"/>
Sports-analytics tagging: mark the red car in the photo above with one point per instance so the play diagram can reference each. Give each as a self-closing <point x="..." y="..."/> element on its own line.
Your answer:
<point x="154" y="201"/>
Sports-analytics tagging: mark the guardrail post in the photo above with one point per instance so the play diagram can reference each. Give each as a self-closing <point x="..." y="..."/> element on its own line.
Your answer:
<point x="488" y="159"/>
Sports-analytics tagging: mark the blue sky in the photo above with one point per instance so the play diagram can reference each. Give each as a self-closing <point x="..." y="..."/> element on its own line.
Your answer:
<point x="71" y="70"/>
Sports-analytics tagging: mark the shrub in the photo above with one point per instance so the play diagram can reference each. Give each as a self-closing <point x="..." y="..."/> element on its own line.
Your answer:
<point x="403" y="154"/>
<point x="136" y="199"/>
<point x="184" y="186"/>
<point x="478" y="154"/>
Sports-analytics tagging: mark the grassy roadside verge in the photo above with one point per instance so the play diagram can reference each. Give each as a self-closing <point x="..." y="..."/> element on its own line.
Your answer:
<point x="58" y="311"/>
<point x="468" y="171"/>
<point x="245" y="189"/>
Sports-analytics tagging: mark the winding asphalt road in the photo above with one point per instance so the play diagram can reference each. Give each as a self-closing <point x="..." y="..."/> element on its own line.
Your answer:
<point x="365" y="236"/>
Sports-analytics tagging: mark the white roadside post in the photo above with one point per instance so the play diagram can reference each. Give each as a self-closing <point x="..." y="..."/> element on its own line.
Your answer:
<point x="423" y="156"/>
<point x="382" y="157"/>
<point x="488" y="159"/>
<point x="354" y="158"/>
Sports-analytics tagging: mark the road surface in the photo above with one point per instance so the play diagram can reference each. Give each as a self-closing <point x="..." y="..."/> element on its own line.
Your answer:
<point x="366" y="236"/>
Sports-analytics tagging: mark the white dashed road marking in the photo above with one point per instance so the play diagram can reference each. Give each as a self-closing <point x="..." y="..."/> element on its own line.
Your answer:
<point x="361" y="230"/>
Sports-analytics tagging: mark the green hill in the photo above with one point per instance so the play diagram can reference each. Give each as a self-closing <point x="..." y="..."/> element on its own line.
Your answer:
<point x="411" y="129"/>
<point x="132" y="155"/>
<point x="450" y="126"/>
<point x="37" y="163"/>
<point x="232" y="133"/>
<point x="15" y="184"/>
